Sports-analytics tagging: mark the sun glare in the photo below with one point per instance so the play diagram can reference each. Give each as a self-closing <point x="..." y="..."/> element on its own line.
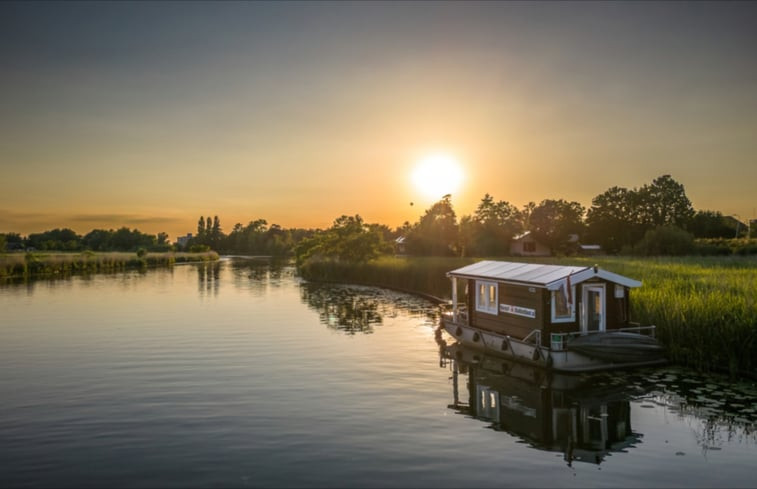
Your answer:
<point x="437" y="174"/>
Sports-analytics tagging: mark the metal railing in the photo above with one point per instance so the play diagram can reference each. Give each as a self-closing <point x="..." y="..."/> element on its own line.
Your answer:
<point x="637" y="328"/>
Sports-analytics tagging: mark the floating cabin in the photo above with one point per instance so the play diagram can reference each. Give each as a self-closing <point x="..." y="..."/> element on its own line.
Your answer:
<point x="563" y="317"/>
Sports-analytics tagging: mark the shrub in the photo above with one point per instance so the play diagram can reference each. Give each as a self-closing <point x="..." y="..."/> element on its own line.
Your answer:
<point x="665" y="240"/>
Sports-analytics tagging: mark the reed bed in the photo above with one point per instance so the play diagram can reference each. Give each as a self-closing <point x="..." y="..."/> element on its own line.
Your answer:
<point x="424" y="275"/>
<point x="705" y="308"/>
<point x="26" y="265"/>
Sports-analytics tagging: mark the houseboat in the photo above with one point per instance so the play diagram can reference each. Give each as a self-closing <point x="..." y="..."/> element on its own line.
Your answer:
<point x="566" y="318"/>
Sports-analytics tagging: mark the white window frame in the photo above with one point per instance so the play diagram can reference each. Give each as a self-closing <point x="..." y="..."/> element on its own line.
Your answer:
<point x="483" y="304"/>
<point x="564" y="319"/>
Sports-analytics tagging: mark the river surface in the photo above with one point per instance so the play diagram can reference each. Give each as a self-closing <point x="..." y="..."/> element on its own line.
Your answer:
<point x="239" y="374"/>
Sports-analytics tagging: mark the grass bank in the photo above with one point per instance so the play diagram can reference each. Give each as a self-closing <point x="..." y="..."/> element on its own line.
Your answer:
<point x="41" y="264"/>
<point x="705" y="308"/>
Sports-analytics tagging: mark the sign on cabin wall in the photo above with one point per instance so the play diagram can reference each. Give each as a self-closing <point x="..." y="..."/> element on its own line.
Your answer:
<point x="518" y="311"/>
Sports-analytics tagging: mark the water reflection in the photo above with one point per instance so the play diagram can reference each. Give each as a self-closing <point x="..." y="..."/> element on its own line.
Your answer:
<point x="587" y="417"/>
<point x="258" y="273"/>
<point x="208" y="278"/>
<point x="553" y="412"/>
<point x="355" y="309"/>
<point x="343" y="308"/>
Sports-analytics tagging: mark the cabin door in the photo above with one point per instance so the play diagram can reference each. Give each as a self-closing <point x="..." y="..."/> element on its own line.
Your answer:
<point x="594" y="309"/>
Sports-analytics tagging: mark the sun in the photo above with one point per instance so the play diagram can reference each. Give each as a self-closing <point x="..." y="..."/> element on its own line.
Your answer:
<point x="437" y="174"/>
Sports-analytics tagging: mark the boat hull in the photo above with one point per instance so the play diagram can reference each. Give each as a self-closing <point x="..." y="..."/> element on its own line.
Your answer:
<point x="567" y="360"/>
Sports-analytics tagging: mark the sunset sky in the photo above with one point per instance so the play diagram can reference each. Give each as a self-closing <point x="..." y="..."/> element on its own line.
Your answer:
<point x="151" y="114"/>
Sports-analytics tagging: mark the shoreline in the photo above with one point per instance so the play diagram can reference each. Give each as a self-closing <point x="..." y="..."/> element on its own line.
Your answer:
<point x="29" y="265"/>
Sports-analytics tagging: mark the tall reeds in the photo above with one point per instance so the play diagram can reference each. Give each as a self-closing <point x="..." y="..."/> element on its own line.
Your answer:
<point x="32" y="264"/>
<point x="424" y="275"/>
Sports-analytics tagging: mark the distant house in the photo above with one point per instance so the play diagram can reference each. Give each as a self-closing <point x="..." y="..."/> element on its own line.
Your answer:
<point x="182" y="241"/>
<point x="589" y="249"/>
<point x="399" y="245"/>
<point x="526" y="245"/>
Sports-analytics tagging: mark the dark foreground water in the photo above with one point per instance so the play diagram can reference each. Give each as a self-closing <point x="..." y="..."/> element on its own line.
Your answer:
<point x="237" y="374"/>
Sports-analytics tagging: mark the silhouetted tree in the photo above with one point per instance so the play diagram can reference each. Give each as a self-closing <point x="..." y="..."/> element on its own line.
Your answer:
<point x="613" y="220"/>
<point x="620" y="217"/>
<point x="436" y="232"/>
<point x="664" y="202"/>
<point x="348" y="239"/>
<point x="553" y="221"/>
<point x="55" y="239"/>
<point x="713" y="224"/>
<point x="491" y="228"/>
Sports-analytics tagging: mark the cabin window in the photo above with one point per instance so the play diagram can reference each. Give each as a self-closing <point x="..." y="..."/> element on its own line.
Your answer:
<point x="564" y="305"/>
<point x="486" y="297"/>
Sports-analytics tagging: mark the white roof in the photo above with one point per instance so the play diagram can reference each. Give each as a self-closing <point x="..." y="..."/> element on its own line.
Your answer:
<point x="549" y="276"/>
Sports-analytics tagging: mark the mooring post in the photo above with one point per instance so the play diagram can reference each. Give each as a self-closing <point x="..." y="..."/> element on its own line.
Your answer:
<point x="454" y="298"/>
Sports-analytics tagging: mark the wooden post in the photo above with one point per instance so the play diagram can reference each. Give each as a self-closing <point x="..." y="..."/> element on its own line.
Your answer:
<point x="454" y="298"/>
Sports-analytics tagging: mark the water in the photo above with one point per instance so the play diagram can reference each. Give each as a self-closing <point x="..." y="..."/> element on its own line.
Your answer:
<point x="237" y="374"/>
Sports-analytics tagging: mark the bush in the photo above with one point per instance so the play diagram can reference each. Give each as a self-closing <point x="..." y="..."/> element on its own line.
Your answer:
<point x="665" y="240"/>
<point x="711" y="247"/>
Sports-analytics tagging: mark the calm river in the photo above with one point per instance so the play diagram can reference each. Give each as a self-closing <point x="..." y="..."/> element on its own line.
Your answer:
<point x="238" y="374"/>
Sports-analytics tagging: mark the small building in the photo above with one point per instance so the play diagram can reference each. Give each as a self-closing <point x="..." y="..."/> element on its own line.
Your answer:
<point x="589" y="249"/>
<point x="399" y="245"/>
<point x="525" y="244"/>
<point x="182" y="241"/>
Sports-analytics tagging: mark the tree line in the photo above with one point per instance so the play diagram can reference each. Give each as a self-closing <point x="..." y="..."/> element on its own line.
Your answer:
<point x="65" y="239"/>
<point x="657" y="218"/>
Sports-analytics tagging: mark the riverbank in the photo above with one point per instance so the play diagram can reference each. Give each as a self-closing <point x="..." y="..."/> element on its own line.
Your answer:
<point x="705" y="308"/>
<point x="43" y="264"/>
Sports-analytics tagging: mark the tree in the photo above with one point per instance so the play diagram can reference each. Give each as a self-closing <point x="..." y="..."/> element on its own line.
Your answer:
<point x="14" y="241"/>
<point x="348" y="239"/>
<point x="56" y="239"/>
<point x="613" y="221"/>
<point x="97" y="240"/>
<point x="489" y="231"/>
<point x="553" y="221"/>
<point x="436" y="232"/>
<point x="125" y="239"/>
<point x="200" y="228"/>
<point x="664" y="202"/>
<point x="620" y="217"/>
<point x="713" y="224"/>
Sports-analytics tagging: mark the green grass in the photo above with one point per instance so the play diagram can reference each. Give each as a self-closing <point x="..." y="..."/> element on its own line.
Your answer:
<point x="27" y="265"/>
<point x="705" y="308"/>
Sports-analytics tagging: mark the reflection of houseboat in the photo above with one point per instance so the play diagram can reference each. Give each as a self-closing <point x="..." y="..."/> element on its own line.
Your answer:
<point x="552" y="411"/>
<point x="562" y="317"/>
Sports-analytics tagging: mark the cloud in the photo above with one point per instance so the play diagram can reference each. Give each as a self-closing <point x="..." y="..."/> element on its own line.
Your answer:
<point x="132" y="218"/>
<point x="33" y="222"/>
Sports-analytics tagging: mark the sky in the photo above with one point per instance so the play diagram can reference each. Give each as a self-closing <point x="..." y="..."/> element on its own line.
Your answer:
<point x="151" y="114"/>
